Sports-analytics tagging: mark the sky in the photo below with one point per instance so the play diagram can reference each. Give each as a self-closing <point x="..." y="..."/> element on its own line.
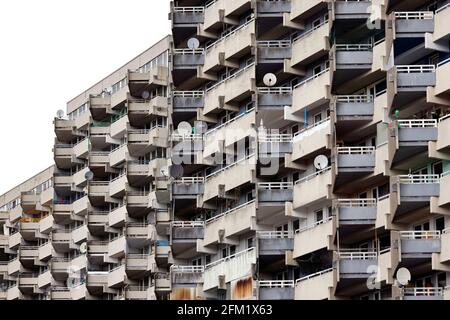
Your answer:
<point x="52" y="50"/>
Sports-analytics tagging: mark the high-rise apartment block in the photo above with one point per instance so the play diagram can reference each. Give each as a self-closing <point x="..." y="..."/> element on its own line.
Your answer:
<point x="267" y="149"/>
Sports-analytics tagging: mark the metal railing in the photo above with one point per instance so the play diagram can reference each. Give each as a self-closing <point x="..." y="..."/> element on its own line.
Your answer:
<point x="275" y="138"/>
<point x="275" y="185"/>
<point x="414" y="15"/>
<point x="308" y="32"/>
<point x="217" y="217"/>
<point x="274" y="90"/>
<point x="314" y="275"/>
<point x="423" y="291"/>
<point x="419" y="68"/>
<point x="411" y="235"/>
<point x="357" y="255"/>
<point x="189" y="94"/>
<point x="356" y="203"/>
<point x="187" y="269"/>
<point x="228" y="167"/>
<point x="445" y="6"/>
<point x="187" y="51"/>
<point x="229" y="34"/>
<point x="274" y="44"/>
<point x="315" y="224"/>
<point x="354" y="99"/>
<point x="276" y="283"/>
<point x="354" y="47"/>
<point x="231" y="76"/>
<point x="419" y="179"/>
<point x="189" y="180"/>
<point x="312" y="176"/>
<point x="186" y="136"/>
<point x="189" y="9"/>
<point x="215" y="263"/>
<point x="420" y="123"/>
<point x="275" y="234"/>
<point x="356" y="150"/>
<point x="188" y="224"/>
<point x="312" y="78"/>
<point x="312" y="126"/>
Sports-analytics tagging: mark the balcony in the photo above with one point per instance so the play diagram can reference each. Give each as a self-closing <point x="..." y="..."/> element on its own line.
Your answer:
<point x="270" y="8"/>
<point x="60" y="293"/>
<point x="188" y="58"/>
<point x="188" y="101"/>
<point x="140" y="293"/>
<point x="228" y="133"/>
<point x="312" y="92"/>
<point x="414" y="78"/>
<point x="352" y="9"/>
<point x="162" y="252"/>
<point x="67" y="130"/>
<point x="317" y="286"/>
<point x="314" y="237"/>
<point x="442" y="82"/>
<point x="140" y="235"/>
<point x="419" y="244"/>
<point x="230" y="223"/>
<point x="218" y="12"/>
<point x="230" y="177"/>
<point x="441" y="18"/>
<point x="352" y="60"/>
<point x="186" y="275"/>
<point x="275" y="243"/>
<point x="13" y="293"/>
<point x="100" y="105"/>
<point x="163" y="283"/>
<point x="412" y="24"/>
<point x="15" y="214"/>
<point x="187" y="148"/>
<point x="141" y="142"/>
<point x="60" y="268"/>
<point x="276" y="290"/>
<point x="231" y="90"/>
<point x="118" y="217"/>
<point x="188" y="187"/>
<point x="140" y="111"/>
<point x="275" y="192"/>
<point x="97" y="282"/>
<point x="231" y="268"/>
<point x="139" y="82"/>
<point x="61" y="240"/>
<point x="313" y="188"/>
<point x="118" y="185"/>
<point x="354" y="163"/>
<point x="29" y="228"/>
<point x="14" y="240"/>
<point x="354" y="109"/>
<point x="28" y="255"/>
<point x="28" y="283"/>
<point x="184" y="235"/>
<point x="274" y="145"/>
<point x="354" y="264"/>
<point x="425" y="293"/>
<point x="231" y="46"/>
<point x="117" y="277"/>
<point x="14" y="267"/>
<point x="117" y="247"/>
<point x="275" y="97"/>
<point x="311" y="44"/>
<point x="275" y="51"/>
<point x="79" y="234"/>
<point x="415" y="192"/>
<point x="302" y="9"/>
<point x="187" y="16"/>
<point x="140" y="265"/>
<point x="357" y="212"/>
<point x="97" y="222"/>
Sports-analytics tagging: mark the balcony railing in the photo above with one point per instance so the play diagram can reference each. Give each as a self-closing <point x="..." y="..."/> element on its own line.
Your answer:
<point x="425" y="68"/>
<point x="189" y="180"/>
<point x="354" y="99"/>
<point x="276" y="284"/>
<point x="275" y="234"/>
<point x="354" y="47"/>
<point x="422" y="123"/>
<point x="312" y="176"/>
<point x="317" y="274"/>
<point x="228" y="167"/>
<point x="275" y="138"/>
<point x="420" y="179"/>
<point x="414" y="15"/>
<point x="231" y="76"/>
<point x="188" y="94"/>
<point x="275" y="185"/>
<point x="274" y="44"/>
<point x="275" y="90"/>
<point x="356" y="203"/>
<point x="311" y="127"/>
<point x="229" y="34"/>
<point x="356" y="150"/>
<point x="315" y="224"/>
<point x="187" y="269"/>
<point x="306" y="33"/>
<point x="186" y="51"/>
<point x="189" y="9"/>
<point x="412" y="235"/>
<point x="312" y="78"/>
<point x="357" y="255"/>
<point x="423" y="291"/>
<point x="188" y="224"/>
<point x="217" y="217"/>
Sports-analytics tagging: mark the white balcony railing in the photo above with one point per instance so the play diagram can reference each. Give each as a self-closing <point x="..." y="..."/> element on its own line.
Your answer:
<point x="276" y="283"/>
<point x="356" y="203"/>
<point x="189" y="9"/>
<point x="357" y="255"/>
<point x="317" y="274"/>
<point x="189" y="180"/>
<point x="229" y="34"/>
<point x="313" y="225"/>
<point x="354" y="47"/>
<point x="423" y="291"/>
<point x="425" y="68"/>
<point x="275" y="138"/>
<point x="188" y="224"/>
<point x="414" y="15"/>
<point x="274" y="234"/>
<point x="411" y="235"/>
<point x="354" y="99"/>
<point x="187" y="51"/>
<point x="312" y="176"/>
<point x="274" y="90"/>
<point x="274" y="44"/>
<point x="310" y="128"/>
<point x="311" y="78"/>
<point x="187" y="269"/>
<point x="421" y="123"/>
<point x="188" y="94"/>
<point x="356" y="150"/>
<point x="308" y="32"/>
<point x="275" y="185"/>
<point x="217" y="217"/>
<point x="419" y="179"/>
<point x="228" y="167"/>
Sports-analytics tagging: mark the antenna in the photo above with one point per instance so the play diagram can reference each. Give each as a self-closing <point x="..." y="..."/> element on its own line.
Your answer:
<point x="270" y="79"/>
<point x="321" y="162"/>
<point x="193" y="43"/>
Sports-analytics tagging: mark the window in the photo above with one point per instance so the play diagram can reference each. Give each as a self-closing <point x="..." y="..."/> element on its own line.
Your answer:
<point x="316" y="23"/>
<point x="295" y="129"/>
<point x="319" y="215"/>
<point x="250" y="196"/>
<point x="317" y="118"/>
<point x="224" y="253"/>
<point x="207" y="259"/>
<point x="440" y="224"/>
<point x="250" y="243"/>
<point x="438" y="168"/>
<point x="317" y="69"/>
<point x="232" y="250"/>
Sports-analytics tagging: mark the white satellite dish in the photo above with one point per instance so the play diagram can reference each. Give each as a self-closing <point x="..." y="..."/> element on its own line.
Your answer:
<point x="89" y="175"/>
<point x="83" y="247"/>
<point x="201" y="126"/>
<point x="193" y="43"/>
<point x="145" y="95"/>
<point x="184" y="128"/>
<point x="270" y="79"/>
<point x="403" y="276"/>
<point x="60" y="114"/>
<point x="321" y="162"/>
<point x="165" y="171"/>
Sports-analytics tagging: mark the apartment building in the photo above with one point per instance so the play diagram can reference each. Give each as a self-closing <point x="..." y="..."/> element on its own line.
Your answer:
<point x="277" y="149"/>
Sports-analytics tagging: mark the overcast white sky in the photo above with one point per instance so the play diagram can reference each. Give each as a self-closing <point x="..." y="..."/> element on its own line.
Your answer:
<point x="50" y="51"/>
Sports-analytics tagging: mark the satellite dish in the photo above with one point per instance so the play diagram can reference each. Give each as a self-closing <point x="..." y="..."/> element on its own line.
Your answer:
<point x="145" y="95"/>
<point x="321" y="162"/>
<point x="193" y="43"/>
<point x="83" y="247"/>
<point x="176" y="171"/>
<point x="403" y="276"/>
<point x="201" y="126"/>
<point x="184" y="128"/>
<point x="60" y="114"/>
<point x="89" y="175"/>
<point x="270" y="79"/>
